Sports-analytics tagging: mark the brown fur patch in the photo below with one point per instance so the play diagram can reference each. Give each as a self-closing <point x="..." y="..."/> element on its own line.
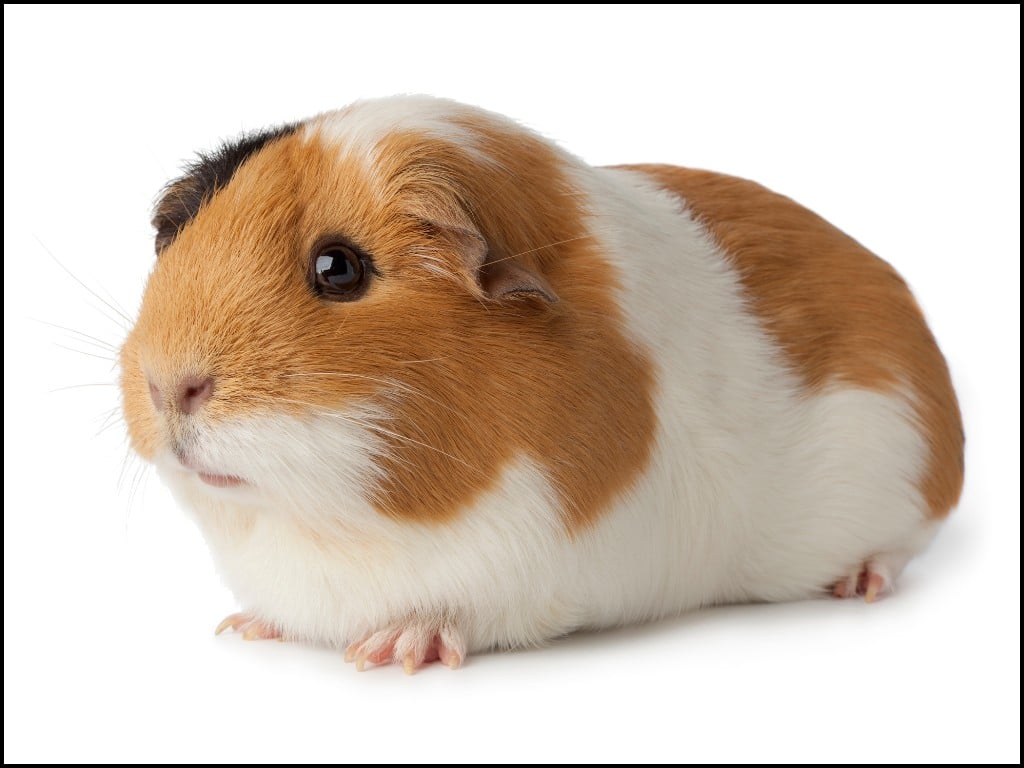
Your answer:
<point x="470" y="382"/>
<point x="839" y="312"/>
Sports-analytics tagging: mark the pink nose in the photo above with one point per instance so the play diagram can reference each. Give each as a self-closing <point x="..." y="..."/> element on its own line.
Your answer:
<point x="190" y="394"/>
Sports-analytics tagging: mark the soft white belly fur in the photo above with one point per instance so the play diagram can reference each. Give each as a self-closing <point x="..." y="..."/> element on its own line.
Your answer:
<point x="755" y="491"/>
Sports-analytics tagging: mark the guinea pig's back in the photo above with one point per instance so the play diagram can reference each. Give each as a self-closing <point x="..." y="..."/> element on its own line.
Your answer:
<point x="842" y="315"/>
<point x="798" y="386"/>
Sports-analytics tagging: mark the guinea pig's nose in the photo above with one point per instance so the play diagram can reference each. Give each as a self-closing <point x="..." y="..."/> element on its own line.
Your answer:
<point x="192" y="392"/>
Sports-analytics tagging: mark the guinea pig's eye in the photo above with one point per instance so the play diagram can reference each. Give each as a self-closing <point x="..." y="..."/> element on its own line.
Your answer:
<point x="338" y="272"/>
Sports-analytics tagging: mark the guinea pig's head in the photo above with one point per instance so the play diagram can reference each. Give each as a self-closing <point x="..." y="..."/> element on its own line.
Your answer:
<point x="379" y="308"/>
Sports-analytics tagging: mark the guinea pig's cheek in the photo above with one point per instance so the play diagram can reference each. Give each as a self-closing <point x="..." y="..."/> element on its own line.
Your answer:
<point x="305" y="462"/>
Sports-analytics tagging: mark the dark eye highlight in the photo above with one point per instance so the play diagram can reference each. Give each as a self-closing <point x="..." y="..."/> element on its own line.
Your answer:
<point x="338" y="272"/>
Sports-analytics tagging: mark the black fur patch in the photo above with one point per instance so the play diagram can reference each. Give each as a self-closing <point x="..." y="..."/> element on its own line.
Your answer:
<point x="182" y="198"/>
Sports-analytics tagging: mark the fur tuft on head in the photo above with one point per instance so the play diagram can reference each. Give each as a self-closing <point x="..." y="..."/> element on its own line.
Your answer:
<point x="182" y="198"/>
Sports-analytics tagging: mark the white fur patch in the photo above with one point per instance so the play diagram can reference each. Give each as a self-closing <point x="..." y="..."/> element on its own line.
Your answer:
<point x="359" y="128"/>
<point x="496" y="570"/>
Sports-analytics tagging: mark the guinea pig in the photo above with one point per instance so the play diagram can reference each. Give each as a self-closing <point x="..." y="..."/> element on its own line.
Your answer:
<point x="431" y="385"/>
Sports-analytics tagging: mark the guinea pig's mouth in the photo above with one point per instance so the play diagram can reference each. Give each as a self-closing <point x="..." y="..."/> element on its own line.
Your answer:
<point x="210" y="478"/>
<point x="220" y="481"/>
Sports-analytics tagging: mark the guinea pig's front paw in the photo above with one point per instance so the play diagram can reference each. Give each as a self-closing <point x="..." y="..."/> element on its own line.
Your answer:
<point x="411" y="643"/>
<point x="250" y="627"/>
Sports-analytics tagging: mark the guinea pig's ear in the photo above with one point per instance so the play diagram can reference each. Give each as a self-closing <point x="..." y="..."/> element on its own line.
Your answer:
<point x="503" y="278"/>
<point x="491" y="275"/>
<point x="496" y="276"/>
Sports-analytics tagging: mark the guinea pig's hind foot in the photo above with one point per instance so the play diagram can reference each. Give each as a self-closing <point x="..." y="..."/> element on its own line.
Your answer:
<point x="872" y="579"/>
<point x="864" y="583"/>
<point x="411" y="643"/>
<point x="250" y="627"/>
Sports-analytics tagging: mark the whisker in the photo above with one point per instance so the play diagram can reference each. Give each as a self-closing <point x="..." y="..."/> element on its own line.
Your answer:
<point x="117" y="305"/>
<point x="378" y="428"/>
<point x="83" y="352"/>
<point x="144" y="485"/>
<point x="399" y="385"/>
<point x="131" y="459"/>
<point x="91" y="384"/>
<point x="112" y="418"/>
<point x="319" y="409"/>
<point x="542" y="247"/>
<point x="107" y="316"/>
<point x="371" y="424"/>
<point x="74" y="277"/>
<point x="94" y="339"/>
<point x="364" y="422"/>
<point x="128" y="456"/>
<point x="394" y="383"/>
<point x="113" y="352"/>
<point x="97" y="345"/>
<point x="389" y="382"/>
<point x="140" y="474"/>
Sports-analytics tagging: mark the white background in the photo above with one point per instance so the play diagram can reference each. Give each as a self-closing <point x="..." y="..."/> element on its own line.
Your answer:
<point x="902" y="126"/>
